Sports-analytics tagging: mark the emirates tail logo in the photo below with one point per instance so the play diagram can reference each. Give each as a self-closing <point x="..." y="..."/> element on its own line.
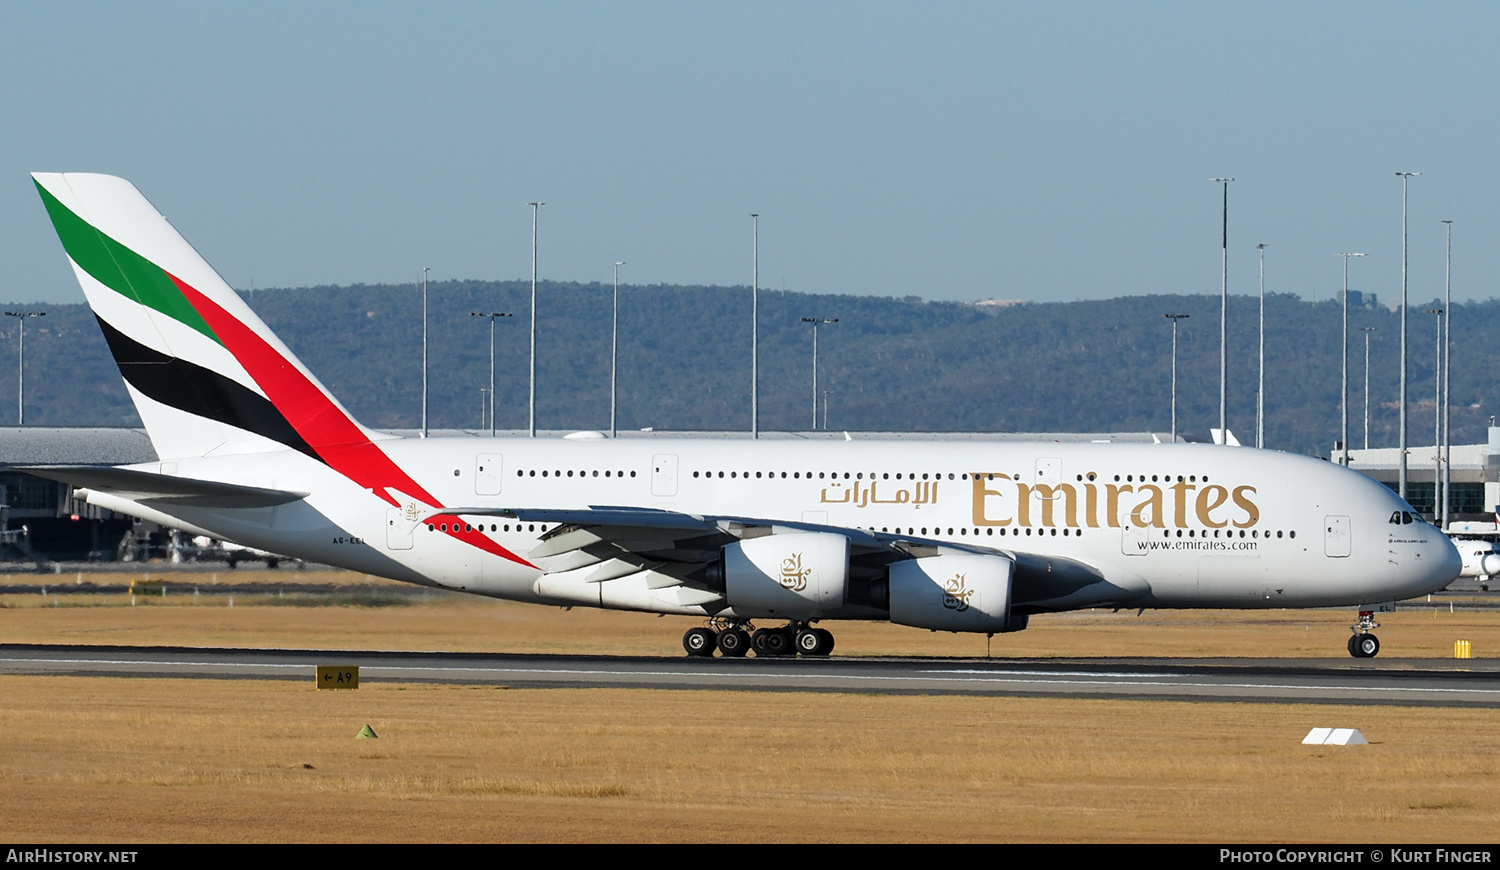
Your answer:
<point x="956" y="593"/>
<point x="793" y="575"/>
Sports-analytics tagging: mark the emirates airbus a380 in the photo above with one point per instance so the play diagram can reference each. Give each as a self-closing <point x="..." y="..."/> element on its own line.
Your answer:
<point x="952" y="536"/>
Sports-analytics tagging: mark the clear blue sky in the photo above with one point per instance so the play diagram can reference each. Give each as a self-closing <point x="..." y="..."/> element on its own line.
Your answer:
<point x="952" y="151"/>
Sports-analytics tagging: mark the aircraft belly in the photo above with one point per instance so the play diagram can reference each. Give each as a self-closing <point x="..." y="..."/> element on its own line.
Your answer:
<point x="635" y="592"/>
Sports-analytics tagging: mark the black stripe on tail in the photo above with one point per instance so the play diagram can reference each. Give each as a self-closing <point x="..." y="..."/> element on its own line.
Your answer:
<point x="201" y="392"/>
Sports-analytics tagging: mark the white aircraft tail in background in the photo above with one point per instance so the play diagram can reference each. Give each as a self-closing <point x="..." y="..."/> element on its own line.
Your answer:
<point x="1223" y="436"/>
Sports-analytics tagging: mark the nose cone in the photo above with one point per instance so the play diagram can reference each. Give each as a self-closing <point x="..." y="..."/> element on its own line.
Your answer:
<point x="1445" y="562"/>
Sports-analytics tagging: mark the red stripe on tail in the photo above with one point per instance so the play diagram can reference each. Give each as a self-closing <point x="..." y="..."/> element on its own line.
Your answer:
<point x="338" y="440"/>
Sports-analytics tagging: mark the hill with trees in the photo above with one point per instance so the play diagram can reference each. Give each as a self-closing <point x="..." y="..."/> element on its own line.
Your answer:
<point x="889" y="364"/>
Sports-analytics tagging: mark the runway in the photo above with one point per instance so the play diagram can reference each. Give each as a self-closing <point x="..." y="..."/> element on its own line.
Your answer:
<point x="1410" y="682"/>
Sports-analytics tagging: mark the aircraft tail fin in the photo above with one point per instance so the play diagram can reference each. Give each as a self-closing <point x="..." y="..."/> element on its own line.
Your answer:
<point x="207" y="376"/>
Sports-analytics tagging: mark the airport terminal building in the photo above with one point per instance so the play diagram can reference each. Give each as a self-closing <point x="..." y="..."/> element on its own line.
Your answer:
<point x="1474" y="490"/>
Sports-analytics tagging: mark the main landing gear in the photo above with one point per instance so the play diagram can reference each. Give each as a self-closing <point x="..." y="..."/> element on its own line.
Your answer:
<point x="1363" y="644"/>
<point x="733" y="639"/>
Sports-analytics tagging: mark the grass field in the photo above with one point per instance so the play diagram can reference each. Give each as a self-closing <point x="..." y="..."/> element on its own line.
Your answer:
<point x="93" y="759"/>
<point x="223" y="761"/>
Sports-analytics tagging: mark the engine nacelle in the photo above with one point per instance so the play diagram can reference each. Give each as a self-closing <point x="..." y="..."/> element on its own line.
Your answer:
<point x="795" y="575"/>
<point x="954" y="592"/>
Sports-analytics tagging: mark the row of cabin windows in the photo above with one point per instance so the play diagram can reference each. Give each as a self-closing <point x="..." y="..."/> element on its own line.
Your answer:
<point x="822" y="475"/>
<point x="847" y="475"/>
<point x="1078" y="533"/>
<point x="1228" y="533"/>
<point x="850" y="475"/>
<point x="494" y="527"/>
<point x="911" y="530"/>
<point x="571" y="473"/>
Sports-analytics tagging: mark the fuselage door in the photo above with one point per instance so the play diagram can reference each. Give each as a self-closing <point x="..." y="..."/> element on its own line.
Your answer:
<point x="398" y="530"/>
<point x="1336" y="536"/>
<point x="664" y="474"/>
<point x="487" y="473"/>
<point x="1133" y="538"/>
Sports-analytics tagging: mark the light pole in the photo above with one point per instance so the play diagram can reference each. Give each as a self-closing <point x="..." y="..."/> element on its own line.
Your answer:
<point x="1344" y="367"/>
<point x="483" y="407"/>
<point x="491" y="315"/>
<point x="755" y="328"/>
<point x="1437" y="415"/>
<point x="1401" y="472"/>
<point x="1174" y="318"/>
<point x="1447" y="367"/>
<point x="816" y="322"/>
<point x="425" y="270"/>
<point x="614" y="347"/>
<point x="1260" y="390"/>
<point x="1224" y="321"/>
<point x="826" y="394"/>
<point x="21" y="361"/>
<point x="1367" y="330"/>
<point x="532" y="401"/>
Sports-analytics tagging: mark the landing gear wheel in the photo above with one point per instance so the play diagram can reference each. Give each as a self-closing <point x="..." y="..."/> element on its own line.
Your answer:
<point x="1364" y="645"/>
<point x="733" y="643"/>
<point x="772" y="642"/>
<point x="700" y="642"/>
<point x="814" y="642"/>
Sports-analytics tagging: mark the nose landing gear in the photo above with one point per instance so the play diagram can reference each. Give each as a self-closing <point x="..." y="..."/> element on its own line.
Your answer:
<point x="1363" y="644"/>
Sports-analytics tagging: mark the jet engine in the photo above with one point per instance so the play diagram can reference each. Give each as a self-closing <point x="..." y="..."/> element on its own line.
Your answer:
<point x="794" y="575"/>
<point x="954" y="592"/>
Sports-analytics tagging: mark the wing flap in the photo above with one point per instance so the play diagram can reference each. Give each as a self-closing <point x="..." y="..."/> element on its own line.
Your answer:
<point x="614" y="569"/>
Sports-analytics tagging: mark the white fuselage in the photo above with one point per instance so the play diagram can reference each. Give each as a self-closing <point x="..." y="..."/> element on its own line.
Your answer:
<point x="1176" y="525"/>
<point x="1481" y="559"/>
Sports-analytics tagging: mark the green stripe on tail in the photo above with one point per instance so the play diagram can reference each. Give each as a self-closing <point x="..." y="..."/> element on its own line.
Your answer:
<point x="119" y="268"/>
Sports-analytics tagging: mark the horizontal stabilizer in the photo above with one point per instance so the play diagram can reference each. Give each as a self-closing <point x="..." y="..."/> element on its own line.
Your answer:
<point x="149" y="486"/>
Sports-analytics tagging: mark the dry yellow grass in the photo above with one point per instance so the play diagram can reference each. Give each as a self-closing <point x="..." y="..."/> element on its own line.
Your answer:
<point x="89" y="759"/>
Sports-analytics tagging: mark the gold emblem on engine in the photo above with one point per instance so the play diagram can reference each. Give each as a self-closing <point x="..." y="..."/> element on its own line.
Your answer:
<point x="956" y="593"/>
<point x="793" y="575"/>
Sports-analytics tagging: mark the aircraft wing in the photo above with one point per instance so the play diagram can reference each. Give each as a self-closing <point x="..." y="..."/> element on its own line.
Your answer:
<point x="169" y="489"/>
<point x="677" y="548"/>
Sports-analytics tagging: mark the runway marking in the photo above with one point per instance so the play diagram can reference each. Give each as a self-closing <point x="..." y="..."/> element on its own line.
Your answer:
<point x="151" y="662"/>
<point x="1001" y="677"/>
<point x="1051" y="673"/>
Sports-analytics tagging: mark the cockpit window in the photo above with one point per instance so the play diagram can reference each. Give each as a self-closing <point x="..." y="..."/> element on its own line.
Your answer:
<point x="1403" y="518"/>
